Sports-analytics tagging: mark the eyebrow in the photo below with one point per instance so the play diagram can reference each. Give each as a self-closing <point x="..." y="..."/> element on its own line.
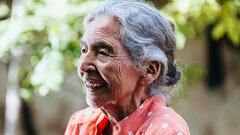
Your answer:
<point x="98" y="45"/>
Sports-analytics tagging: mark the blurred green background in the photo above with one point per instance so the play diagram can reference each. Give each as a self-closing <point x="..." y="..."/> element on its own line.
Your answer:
<point x="39" y="50"/>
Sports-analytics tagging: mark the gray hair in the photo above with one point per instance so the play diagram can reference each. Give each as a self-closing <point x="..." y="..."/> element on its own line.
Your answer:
<point x="148" y="37"/>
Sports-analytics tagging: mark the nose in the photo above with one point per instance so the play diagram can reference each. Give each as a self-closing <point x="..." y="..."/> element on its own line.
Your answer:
<point x="86" y="64"/>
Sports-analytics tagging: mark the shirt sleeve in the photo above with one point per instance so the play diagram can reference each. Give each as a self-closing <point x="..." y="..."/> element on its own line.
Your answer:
<point x="85" y="122"/>
<point x="71" y="129"/>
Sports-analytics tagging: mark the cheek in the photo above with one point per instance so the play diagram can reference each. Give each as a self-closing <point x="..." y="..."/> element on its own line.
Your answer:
<point x="103" y="59"/>
<point x="121" y="73"/>
<point x="117" y="68"/>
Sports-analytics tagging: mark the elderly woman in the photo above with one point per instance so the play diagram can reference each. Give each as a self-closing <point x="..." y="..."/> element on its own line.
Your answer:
<point x="127" y="60"/>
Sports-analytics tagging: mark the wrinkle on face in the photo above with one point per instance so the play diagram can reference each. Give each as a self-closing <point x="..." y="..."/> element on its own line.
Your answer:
<point x="116" y="69"/>
<point x="101" y="29"/>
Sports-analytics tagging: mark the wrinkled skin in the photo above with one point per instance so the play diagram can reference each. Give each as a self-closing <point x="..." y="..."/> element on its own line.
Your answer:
<point x="106" y="67"/>
<point x="113" y="68"/>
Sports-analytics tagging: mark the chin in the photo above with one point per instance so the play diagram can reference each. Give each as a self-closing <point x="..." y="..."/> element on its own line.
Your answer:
<point x="93" y="103"/>
<point x="97" y="103"/>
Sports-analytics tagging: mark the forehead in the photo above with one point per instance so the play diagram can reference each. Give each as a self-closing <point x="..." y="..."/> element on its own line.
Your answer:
<point x="103" y="26"/>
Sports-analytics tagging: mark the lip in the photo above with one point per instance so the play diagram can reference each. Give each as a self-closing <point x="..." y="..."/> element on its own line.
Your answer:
<point x="93" y="88"/>
<point x="94" y="91"/>
<point x="93" y="82"/>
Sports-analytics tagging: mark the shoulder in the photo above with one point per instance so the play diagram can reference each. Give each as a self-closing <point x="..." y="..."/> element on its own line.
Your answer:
<point x="87" y="117"/>
<point x="166" y="121"/>
<point x="88" y="114"/>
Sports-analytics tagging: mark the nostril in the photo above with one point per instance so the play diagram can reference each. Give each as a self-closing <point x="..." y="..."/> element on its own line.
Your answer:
<point x="91" y="68"/>
<point x="86" y="68"/>
<point x="86" y="64"/>
<point x="79" y="72"/>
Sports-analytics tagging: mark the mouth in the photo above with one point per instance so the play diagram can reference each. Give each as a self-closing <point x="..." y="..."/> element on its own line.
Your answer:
<point x="92" y="86"/>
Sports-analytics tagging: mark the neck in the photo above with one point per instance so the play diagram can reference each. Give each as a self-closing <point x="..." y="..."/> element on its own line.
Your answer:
<point x="123" y="107"/>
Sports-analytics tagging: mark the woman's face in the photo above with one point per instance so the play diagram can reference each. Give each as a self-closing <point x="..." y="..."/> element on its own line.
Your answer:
<point x="105" y="65"/>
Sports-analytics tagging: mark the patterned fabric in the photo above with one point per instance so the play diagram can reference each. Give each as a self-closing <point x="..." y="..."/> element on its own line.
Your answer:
<point x="151" y="118"/>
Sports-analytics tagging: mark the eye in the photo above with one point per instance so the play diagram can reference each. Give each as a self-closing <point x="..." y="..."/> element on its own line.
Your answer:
<point x="103" y="53"/>
<point x="84" y="50"/>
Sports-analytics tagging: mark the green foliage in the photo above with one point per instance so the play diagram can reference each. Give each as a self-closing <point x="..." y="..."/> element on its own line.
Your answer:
<point x="49" y="72"/>
<point x="191" y="74"/>
<point x="51" y="29"/>
<point x="4" y="10"/>
<point x="192" y="17"/>
<point x="51" y="33"/>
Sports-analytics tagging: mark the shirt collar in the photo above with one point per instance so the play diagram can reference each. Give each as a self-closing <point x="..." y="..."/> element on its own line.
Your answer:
<point x="140" y="114"/>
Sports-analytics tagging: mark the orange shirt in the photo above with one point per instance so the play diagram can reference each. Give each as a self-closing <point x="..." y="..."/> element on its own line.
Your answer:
<point x="151" y="118"/>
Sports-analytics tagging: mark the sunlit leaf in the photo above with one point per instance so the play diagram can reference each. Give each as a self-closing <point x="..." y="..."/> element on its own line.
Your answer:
<point x="180" y="40"/>
<point x="26" y="94"/>
<point x="49" y="71"/>
<point x="218" y="31"/>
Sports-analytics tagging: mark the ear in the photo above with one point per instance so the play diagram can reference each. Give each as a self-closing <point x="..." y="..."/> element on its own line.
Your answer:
<point x="151" y="72"/>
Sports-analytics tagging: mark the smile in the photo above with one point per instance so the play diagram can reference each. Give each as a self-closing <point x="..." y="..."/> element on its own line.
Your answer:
<point x="93" y="84"/>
